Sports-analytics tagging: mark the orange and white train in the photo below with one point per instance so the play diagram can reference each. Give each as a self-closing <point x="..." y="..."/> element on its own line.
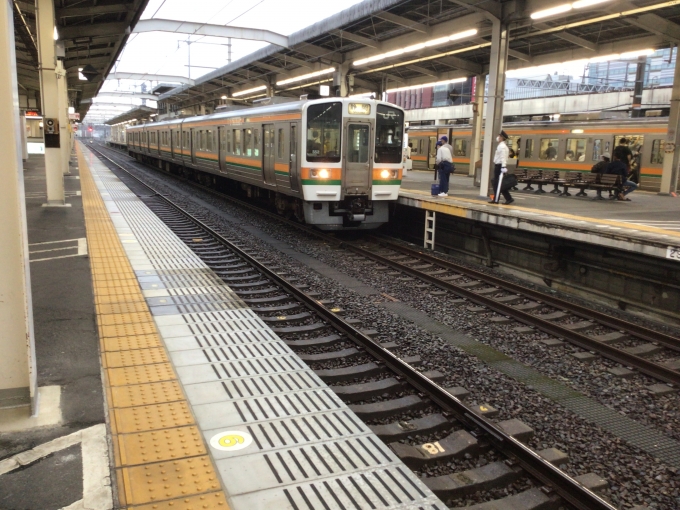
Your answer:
<point x="335" y="163"/>
<point x="555" y="145"/>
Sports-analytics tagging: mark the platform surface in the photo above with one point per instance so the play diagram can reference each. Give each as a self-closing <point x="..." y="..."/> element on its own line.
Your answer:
<point x="649" y="223"/>
<point x="275" y="434"/>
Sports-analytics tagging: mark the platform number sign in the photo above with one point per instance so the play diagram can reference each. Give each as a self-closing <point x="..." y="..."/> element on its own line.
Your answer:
<point x="673" y="253"/>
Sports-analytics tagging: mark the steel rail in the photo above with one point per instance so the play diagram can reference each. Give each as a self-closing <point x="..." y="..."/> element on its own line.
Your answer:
<point x="564" y="485"/>
<point x="587" y="313"/>
<point x="648" y="367"/>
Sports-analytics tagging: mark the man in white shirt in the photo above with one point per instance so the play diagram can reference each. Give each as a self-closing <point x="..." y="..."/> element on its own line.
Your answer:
<point x="444" y="162"/>
<point x="500" y="161"/>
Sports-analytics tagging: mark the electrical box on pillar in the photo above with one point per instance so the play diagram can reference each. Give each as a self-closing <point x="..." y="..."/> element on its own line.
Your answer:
<point x="52" y="133"/>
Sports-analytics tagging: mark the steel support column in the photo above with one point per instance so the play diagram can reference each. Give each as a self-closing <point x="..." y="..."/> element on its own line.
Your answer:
<point x="17" y="349"/>
<point x="477" y="118"/>
<point x="49" y="93"/>
<point x="496" y="95"/>
<point x="64" y="126"/>
<point x="671" y="160"/>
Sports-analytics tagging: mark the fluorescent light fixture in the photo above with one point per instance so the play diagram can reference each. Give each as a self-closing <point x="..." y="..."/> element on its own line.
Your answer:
<point x="577" y="131"/>
<point x="324" y="90"/>
<point x="551" y="12"/>
<point x="417" y="47"/>
<point x="71" y="109"/>
<point x="306" y="76"/>
<point x="423" y="85"/>
<point x="604" y="58"/>
<point x="223" y="97"/>
<point x="249" y="91"/>
<point x="587" y="3"/>
<point x="55" y="34"/>
<point x="255" y="96"/>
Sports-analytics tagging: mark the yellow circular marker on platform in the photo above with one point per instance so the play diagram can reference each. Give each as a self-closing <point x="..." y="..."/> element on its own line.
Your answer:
<point x="231" y="440"/>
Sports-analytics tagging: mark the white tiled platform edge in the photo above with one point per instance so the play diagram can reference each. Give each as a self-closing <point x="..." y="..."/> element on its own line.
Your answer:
<point x="309" y="451"/>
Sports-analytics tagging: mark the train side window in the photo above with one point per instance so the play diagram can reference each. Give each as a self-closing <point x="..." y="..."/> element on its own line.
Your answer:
<point x="230" y="137"/>
<point x="657" y="152"/>
<point x="247" y="142"/>
<point x="597" y="150"/>
<point x="223" y="141"/>
<point x="256" y="142"/>
<point x="209" y="140"/>
<point x="549" y="148"/>
<point x="280" y="144"/>
<point x="460" y="147"/>
<point x="514" y="142"/>
<point x="237" y="142"/>
<point x="576" y="149"/>
<point x="529" y="149"/>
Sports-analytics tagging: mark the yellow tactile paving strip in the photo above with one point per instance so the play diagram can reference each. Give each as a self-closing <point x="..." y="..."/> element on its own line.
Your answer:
<point x="160" y="457"/>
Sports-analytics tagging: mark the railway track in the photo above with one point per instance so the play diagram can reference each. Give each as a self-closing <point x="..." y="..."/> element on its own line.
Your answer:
<point x="619" y="340"/>
<point x="394" y="398"/>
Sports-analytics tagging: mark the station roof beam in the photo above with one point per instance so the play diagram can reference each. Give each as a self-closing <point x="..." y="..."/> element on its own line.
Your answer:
<point x="186" y="27"/>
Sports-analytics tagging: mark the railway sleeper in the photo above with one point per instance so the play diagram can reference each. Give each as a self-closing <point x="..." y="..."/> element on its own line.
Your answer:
<point x="350" y="373"/>
<point x="249" y="284"/>
<point x="314" y="342"/>
<point x="492" y="476"/>
<point x="293" y="330"/>
<point x="331" y="356"/>
<point x="266" y="300"/>
<point x="644" y="350"/>
<point x="287" y="318"/>
<point x="256" y="292"/>
<point x="531" y="305"/>
<point x="454" y="446"/>
<point x="282" y="308"/>
<point x="363" y="391"/>
<point x="509" y="300"/>
<point x="403" y="429"/>
<point x="241" y="278"/>
<point x="389" y="408"/>
<point x="530" y="499"/>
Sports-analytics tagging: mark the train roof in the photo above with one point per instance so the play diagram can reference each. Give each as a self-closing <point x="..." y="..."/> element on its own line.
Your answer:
<point x="292" y="106"/>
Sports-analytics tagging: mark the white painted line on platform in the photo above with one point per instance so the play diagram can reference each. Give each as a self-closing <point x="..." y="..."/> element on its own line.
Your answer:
<point x="97" y="493"/>
<point x="81" y="246"/>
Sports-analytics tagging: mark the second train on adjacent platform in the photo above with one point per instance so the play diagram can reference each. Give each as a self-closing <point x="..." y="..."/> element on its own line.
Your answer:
<point x="335" y="163"/>
<point x="574" y="145"/>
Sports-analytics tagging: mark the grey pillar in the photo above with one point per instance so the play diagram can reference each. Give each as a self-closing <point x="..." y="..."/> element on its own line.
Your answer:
<point x="477" y="118"/>
<point x="17" y="349"/>
<point x="494" y="103"/>
<point x="671" y="161"/>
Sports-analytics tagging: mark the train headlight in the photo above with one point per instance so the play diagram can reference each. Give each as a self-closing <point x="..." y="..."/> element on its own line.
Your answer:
<point x="385" y="174"/>
<point x="323" y="174"/>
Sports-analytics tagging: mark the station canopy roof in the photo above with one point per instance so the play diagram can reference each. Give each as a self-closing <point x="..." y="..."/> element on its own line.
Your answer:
<point x="138" y="114"/>
<point x="391" y="44"/>
<point x="94" y="33"/>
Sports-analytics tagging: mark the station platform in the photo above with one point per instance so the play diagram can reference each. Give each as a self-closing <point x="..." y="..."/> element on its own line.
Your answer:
<point x="206" y="407"/>
<point x="649" y="224"/>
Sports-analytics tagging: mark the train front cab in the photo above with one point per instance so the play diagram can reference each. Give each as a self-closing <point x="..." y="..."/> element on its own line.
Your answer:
<point x="351" y="163"/>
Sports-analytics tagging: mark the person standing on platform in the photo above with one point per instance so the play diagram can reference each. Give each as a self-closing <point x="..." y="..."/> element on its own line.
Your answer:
<point x="500" y="162"/>
<point x="444" y="162"/>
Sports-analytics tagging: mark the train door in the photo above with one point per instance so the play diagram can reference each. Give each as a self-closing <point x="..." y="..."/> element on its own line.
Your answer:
<point x="222" y="143"/>
<point x="432" y="152"/>
<point x="192" y="145"/>
<point x="294" y="167"/>
<point x="357" y="175"/>
<point x="268" y="154"/>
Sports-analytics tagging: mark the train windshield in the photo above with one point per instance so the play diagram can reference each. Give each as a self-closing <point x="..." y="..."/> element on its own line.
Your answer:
<point x="324" y="122"/>
<point x="389" y="128"/>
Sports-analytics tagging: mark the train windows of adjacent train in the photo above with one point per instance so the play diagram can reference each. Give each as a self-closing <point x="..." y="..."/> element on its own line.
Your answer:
<point x="548" y="149"/>
<point x="459" y="147"/>
<point x="230" y="141"/>
<point x="357" y="149"/>
<point x="576" y="149"/>
<point x="256" y="142"/>
<point x="634" y="142"/>
<point x="529" y="149"/>
<point x="247" y="142"/>
<point x="223" y="141"/>
<point x="280" y="145"/>
<point x="597" y="150"/>
<point x="238" y="149"/>
<point x="209" y="139"/>
<point x="513" y="143"/>
<point x="323" y="132"/>
<point x="389" y="126"/>
<point x="657" y="152"/>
